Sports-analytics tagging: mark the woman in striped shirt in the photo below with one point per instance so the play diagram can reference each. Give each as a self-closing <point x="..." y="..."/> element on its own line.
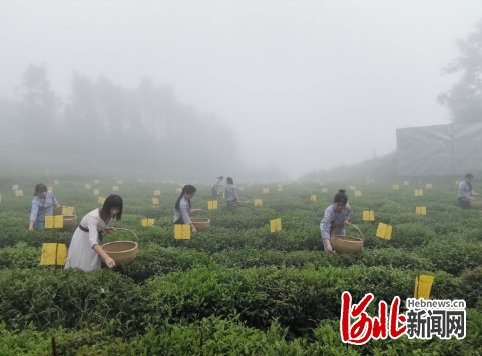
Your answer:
<point x="337" y="215"/>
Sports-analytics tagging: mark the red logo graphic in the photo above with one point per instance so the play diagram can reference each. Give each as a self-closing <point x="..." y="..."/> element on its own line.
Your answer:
<point x="365" y="327"/>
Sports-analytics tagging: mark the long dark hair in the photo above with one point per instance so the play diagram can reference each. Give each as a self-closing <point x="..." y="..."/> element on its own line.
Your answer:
<point x="341" y="197"/>
<point x="229" y="180"/>
<point x="112" y="201"/>
<point x="189" y="189"/>
<point x="40" y="188"/>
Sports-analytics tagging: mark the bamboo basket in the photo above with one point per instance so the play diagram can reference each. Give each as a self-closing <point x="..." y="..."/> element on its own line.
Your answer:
<point x="201" y="224"/>
<point x="476" y="205"/>
<point x="122" y="252"/>
<point x="242" y="201"/>
<point x="347" y="244"/>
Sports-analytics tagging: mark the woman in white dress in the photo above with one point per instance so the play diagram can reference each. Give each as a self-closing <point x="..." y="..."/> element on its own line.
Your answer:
<point x="85" y="251"/>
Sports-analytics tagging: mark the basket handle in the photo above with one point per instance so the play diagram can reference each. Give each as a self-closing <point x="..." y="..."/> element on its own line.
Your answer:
<point x="356" y="227"/>
<point x="123" y="229"/>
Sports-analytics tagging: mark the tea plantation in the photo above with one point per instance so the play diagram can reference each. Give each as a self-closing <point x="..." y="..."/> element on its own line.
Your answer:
<point x="236" y="288"/>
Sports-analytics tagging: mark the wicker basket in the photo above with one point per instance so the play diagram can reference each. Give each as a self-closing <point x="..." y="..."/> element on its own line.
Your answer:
<point x="122" y="252"/>
<point x="347" y="244"/>
<point x="70" y="222"/>
<point x="201" y="224"/>
<point x="476" y="205"/>
<point x="242" y="201"/>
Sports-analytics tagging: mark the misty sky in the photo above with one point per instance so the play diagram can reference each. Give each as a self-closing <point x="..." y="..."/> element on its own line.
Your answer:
<point x="304" y="84"/>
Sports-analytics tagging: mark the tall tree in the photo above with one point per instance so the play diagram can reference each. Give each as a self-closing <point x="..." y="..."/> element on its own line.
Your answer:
<point x="464" y="100"/>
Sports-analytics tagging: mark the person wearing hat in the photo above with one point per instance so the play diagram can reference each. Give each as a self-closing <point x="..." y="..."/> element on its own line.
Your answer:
<point x="337" y="215"/>
<point x="216" y="187"/>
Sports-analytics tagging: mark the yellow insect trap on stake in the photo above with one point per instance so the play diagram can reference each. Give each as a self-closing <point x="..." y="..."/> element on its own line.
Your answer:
<point x="265" y="190"/>
<point x="313" y="198"/>
<point x="212" y="204"/>
<point x="396" y="186"/>
<point x="87" y="186"/>
<point x="358" y="193"/>
<point x="115" y="188"/>
<point x="418" y="192"/>
<point x="384" y="231"/>
<point x="146" y="222"/>
<point x="15" y="187"/>
<point x="428" y="186"/>
<point x="275" y="225"/>
<point x="155" y="201"/>
<point x="53" y="254"/>
<point x="19" y="193"/>
<point x="421" y="210"/>
<point x="178" y="190"/>
<point x="182" y="232"/>
<point x="368" y="215"/>
<point x="423" y="286"/>
<point x="96" y="192"/>
<point x="157" y="193"/>
<point x="352" y="188"/>
<point x="50" y="189"/>
<point x="405" y="182"/>
<point x="280" y="187"/>
<point x="54" y="222"/>
<point x="258" y="202"/>
<point x="101" y="200"/>
<point x="324" y="190"/>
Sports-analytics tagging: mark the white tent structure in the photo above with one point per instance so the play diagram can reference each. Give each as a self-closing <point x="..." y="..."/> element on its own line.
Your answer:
<point x="453" y="149"/>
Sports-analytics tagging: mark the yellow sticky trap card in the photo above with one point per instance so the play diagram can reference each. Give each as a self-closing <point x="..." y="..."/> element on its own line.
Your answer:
<point x="258" y="202"/>
<point x="384" y="231"/>
<point x="101" y="200"/>
<point x="265" y="190"/>
<point x="87" y="186"/>
<point x="115" y="188"/>
<point x="53" y="254"/>
<point x="19" y="193"/>
<point x="54" y="222"/>
<point x="182" y="231"/>
<point x="212" y="204"/>
<point x="147" y="222"/>
<point x="405" y="182"/>
<point x="68" y="210"/>
<point x="96" y="181"/>
<point x="280" y="187"/>
<point x="358" y="193"/>
<point x="56" y="181"/>
<point x="178" y="190"/>
<point x="396" y="186"/>
<point x="275" y="225"/>
<point x="313" y="198"/>
<point x="418" y="192"/>
<point x="120" y="181"/>
<point x="157" y="193"/>
<point x="423" y="286"/>
<point x="368" y="215"/>
<point x="241" y="189"/>
<point x="15" y="187"/>
<point x="421" y="210"/>
<point x="96" y="191"/>
<point x="322" y="184"/>
<point x="155" y="201"/>
<point x="324" y="190"/>
<point x="50" y="189"/>
<point x="352" y="187"/>
<point x="428" y="186"/>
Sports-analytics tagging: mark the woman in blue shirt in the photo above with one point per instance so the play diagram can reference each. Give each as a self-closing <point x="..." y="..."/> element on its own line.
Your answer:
<point x="337" y="215"/>
<point x="42" y="205"/>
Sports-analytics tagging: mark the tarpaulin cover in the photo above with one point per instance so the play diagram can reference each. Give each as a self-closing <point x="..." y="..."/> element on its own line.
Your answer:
<point x="439" y="150"/>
